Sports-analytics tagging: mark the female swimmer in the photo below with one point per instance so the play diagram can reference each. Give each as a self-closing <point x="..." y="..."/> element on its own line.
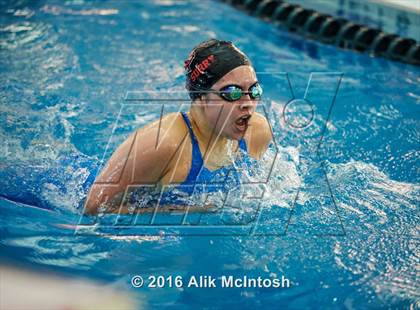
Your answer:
<point x="193" y="147"/>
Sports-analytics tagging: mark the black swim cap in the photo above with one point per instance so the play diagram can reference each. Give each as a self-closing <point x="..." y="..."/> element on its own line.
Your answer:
<point x="208" y="62"/>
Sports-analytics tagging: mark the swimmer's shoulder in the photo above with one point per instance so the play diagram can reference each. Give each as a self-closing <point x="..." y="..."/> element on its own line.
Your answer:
<point x="155" y="145"/>
<point x="260" y="135"/>
<point x="164" y="134"/>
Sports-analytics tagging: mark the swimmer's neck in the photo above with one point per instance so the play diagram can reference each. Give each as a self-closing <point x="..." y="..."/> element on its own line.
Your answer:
<point x="204" y="133"/>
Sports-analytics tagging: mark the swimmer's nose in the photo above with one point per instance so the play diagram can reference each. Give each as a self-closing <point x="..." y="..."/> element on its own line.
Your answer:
<point x="247" y="104"/>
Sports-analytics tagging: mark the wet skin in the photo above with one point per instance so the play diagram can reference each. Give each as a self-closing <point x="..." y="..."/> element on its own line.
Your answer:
<point x="161" y="152"/>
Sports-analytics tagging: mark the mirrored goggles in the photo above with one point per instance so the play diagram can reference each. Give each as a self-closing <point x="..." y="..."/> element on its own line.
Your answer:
<point x="235" y="92"/>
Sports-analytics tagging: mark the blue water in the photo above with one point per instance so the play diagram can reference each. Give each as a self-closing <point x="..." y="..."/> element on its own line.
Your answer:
<point x="352" y="242"/>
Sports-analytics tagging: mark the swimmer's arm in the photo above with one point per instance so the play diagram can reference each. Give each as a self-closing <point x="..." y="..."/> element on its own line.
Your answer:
<point x="137" y="161"/>
<point x="260" y="136"/>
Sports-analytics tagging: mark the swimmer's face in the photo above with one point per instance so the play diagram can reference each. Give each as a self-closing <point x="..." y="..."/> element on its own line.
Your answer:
<point x="231" y="119"/>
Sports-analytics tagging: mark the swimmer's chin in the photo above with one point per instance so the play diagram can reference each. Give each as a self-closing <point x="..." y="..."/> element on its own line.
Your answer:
<point x="233" y="133"/>
<point x="234" y="136"/>
<point x="237" y="134"/>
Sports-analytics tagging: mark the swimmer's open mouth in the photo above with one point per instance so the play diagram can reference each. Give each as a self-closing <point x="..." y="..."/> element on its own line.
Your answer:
<point x="242" y="122"/>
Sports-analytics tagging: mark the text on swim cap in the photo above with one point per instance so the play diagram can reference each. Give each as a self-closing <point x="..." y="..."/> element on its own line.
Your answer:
<point x="201" y="67"/>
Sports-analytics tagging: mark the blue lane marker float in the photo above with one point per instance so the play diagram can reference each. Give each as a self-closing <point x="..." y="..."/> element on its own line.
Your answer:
<point x="337" y="31"/>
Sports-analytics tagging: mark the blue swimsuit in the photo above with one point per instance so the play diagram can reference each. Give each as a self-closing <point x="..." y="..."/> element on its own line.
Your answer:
<point x="200" y="179"/>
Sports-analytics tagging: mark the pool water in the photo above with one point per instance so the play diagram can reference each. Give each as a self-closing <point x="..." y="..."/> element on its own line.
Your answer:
<point x="340" y="216"/>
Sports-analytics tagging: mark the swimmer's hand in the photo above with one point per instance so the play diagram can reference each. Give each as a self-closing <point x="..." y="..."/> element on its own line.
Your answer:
<point x="159" y="209"/>
<point x="116" y="206"/>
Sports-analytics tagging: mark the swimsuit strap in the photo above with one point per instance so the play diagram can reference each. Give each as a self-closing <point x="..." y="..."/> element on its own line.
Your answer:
<point x="197" y="159"/>
<point x="242" y="145"/>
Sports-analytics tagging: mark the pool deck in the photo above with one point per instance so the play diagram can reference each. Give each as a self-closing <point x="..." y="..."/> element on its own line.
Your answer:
<point x="45" y="290"/>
